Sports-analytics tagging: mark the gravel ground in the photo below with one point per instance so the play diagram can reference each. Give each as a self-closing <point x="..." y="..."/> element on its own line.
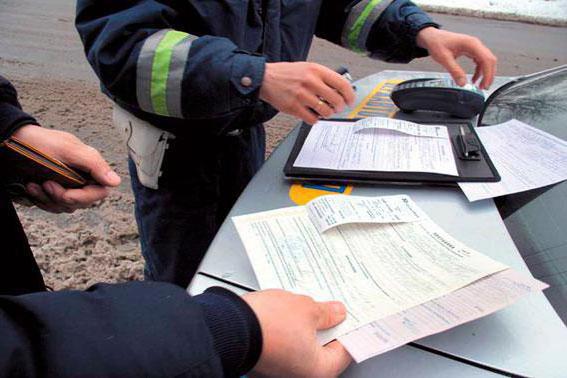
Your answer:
<point x="100" y="243"/>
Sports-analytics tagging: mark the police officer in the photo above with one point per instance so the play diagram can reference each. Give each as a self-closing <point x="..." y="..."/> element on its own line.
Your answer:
<point x="199" y="78"/>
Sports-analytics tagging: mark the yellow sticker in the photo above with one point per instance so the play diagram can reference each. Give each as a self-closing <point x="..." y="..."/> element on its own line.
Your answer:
<point x="300" y="194"/>
<point x="378" y="102"/>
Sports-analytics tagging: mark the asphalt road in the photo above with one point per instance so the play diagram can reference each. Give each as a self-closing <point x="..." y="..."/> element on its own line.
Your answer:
<point x="38" y="39"/>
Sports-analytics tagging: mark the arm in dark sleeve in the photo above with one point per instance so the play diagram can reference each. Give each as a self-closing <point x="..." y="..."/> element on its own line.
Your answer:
<point x="150" y="55"/>
<point x="385" y="29"/>
<point x="127" y="330"/>
<point x="11" y="115"/>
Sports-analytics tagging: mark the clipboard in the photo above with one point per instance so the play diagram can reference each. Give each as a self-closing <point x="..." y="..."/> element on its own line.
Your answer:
<point x="477" y="169"/>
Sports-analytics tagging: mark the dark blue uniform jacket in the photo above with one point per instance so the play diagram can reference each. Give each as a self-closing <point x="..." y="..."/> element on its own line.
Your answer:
<point x="169" y="61"/>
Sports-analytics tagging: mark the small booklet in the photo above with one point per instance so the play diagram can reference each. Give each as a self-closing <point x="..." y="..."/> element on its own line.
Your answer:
<point x="23" y="163"/>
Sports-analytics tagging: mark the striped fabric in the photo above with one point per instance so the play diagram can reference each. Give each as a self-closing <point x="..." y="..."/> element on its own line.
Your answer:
<point x="159" y="72"/>
<point x="359" y="22"/>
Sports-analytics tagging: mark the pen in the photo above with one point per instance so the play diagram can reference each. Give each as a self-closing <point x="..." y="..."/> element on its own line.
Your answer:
<point x="343" y="71"/>
<point x="463" y="138"/>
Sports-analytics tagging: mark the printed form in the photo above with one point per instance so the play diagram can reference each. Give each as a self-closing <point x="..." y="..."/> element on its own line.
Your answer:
<point x="525" y="157"/>
<point x="471" y="302"/>
<point x="378" y="144"/>
<point x="376" y="270"/>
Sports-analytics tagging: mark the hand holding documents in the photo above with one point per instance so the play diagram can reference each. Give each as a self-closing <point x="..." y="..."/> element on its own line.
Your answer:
<point x="380" y="271"/>
<point x="526" y="158"/>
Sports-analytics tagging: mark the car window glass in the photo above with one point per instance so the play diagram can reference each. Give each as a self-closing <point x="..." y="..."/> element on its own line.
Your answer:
<point x="537" y="219"/>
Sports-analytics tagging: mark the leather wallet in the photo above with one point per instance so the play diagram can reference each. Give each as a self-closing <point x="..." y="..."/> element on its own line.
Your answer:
<point x="21" y="163"/>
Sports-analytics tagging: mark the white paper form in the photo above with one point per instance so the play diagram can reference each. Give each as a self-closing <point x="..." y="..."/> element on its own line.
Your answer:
<point x="334" y="210"/>
<point x="525" y="157"/>
<point x="397" y="125"/>
<point x="376" y="270"/>
<point x="471" y="302"/>
<point x="337" y="145"/>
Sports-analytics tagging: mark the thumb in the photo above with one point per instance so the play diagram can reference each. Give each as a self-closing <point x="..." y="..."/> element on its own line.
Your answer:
<point x="333" y="360"/>
<point x="447" y="60"/>
<point x="330" y="314"/>
<point x="89" y="160"/>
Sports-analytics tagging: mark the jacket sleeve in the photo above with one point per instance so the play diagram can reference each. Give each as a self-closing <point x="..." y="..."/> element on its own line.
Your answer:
<point x="11" y="115"/>
<point x="385" y="29"/>
<point x="127" y="330"/>
<point x="154" y="55"/>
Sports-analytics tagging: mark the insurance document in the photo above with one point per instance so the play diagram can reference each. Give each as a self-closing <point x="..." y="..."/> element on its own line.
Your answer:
<point x="330" y="211"/>
<point x="471" y="302"/>
<point x="525" y="157"/>
<point x="375" y="269"/>
<point x="380" y="145"/>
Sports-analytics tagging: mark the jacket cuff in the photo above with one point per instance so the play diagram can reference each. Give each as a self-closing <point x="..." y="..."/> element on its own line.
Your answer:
<point x="393" y="37"/>
<point x="247" y="75"/>
<point x="12" y="118"/>
<point x="236" y="332"/>
<point x="415" y="23"/>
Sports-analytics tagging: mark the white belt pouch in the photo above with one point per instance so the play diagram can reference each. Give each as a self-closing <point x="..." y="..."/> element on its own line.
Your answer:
<point x="146" y="145"/>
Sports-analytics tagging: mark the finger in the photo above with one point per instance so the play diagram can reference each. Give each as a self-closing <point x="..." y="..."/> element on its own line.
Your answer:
<point x="477" y="72"/>
<point x="37" y="194"/>
<point x="340" y="84"/>
<point x="329" y="314"/>
<point x="89" y="160"/>
<point x="331" y="96"/>
<point x="489" y="70"/>
<point x="42" y="200"/>
<point x="56" y="195"/>
<point x="79" y="198"/>
<point x="447" y="60"/>
<point x="485" y="62"/>
<point x="49" y="208"/>
<point x="320" y="106"/>
<point x="307" y="116"/>
<point x="334" y="359"/>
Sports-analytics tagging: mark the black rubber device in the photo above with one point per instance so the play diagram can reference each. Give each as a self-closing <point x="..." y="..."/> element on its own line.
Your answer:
<point x="442" y="95"/>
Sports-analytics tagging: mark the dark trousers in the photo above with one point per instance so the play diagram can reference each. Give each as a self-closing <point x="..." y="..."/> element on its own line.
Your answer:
<point x="202" y="178"/>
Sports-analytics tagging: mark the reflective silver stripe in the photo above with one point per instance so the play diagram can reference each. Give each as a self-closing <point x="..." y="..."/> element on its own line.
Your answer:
<point x="175" y="77"/>
<point x="144" y="70"/>
<point x="376" y="13"/>
<point x="358" y="15"/>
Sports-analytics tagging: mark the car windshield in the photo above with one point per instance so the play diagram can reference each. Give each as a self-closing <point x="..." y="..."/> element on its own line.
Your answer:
<point x="537" y="219"/>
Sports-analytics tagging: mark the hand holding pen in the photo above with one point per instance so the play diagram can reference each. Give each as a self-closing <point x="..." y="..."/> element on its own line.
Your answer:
<point x="305" y="90"/>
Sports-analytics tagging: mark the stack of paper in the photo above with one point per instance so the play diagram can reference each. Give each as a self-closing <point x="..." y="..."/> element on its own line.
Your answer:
<point x="525" y="157"/>
<point x="471" y="302"/>
<point x="401" y="147"/>
<point x="388" y="264"/>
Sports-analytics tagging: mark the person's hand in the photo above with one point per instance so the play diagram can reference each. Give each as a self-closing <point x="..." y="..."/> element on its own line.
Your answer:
<point x="289" y="324"/>
<point x="305" y="90"/>
<point x="445" y="47"/>
<point x="67" y="148"/>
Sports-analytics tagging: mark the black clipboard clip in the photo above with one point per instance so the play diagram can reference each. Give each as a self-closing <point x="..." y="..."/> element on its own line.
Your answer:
<point x="468" y="145"/>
